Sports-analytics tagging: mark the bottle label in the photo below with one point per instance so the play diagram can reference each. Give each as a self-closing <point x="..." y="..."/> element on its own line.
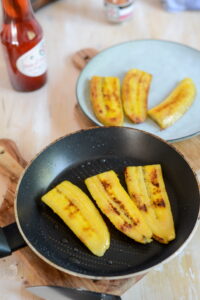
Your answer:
<point x="118" y="11"/>
<point x="33" y="62"/>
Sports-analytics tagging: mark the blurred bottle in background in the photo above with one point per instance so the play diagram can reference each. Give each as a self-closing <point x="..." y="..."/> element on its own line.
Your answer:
<point x="23" y="43"/>
<point x="118" y="11"/>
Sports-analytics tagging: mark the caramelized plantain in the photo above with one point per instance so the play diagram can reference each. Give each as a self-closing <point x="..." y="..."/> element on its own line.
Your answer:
<point x="116" y="204"/>
<point x="74" y="207"/>
<point x="175" y="105"/>
<point x="146" y="189"/>
<point x="135" y="90"/>
<point x="106" y="100"/>
<point x="160" y="202"/>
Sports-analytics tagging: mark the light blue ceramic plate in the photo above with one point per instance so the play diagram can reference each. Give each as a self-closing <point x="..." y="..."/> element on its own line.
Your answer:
<point x="168" y="62"/>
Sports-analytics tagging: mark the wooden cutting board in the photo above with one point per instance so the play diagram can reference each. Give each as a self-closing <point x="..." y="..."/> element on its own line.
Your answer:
<point x="36" y="271"/>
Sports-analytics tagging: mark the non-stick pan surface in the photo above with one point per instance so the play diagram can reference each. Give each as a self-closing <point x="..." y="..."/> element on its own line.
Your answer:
<point x="86" y="153"/>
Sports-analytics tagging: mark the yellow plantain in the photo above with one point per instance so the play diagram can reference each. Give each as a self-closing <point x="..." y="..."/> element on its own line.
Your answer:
<point x="116" y="204"/>
<point x="175" y="105"/>
<point x="74" y="207"/>
<point x="146" y="188"/>
<point x="135" y="90"/>
<point x="106" y="100"/>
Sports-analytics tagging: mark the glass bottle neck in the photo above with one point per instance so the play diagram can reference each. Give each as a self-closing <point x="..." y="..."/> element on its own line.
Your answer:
<point x="16" y="9"/>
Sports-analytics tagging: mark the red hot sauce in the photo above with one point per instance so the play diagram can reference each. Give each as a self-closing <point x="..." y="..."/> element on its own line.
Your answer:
<point x="23" y="43"/>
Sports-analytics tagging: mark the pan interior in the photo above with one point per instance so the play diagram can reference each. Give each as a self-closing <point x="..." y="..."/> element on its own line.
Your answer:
<point x="123" y="253"/>
<point x="51" y="238"/>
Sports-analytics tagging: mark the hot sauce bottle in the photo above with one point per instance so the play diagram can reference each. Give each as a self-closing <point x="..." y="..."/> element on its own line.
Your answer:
<point x="23" y="43"/>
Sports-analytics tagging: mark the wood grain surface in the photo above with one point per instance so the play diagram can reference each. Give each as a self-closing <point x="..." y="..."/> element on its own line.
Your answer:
<point x="33" y="120"/>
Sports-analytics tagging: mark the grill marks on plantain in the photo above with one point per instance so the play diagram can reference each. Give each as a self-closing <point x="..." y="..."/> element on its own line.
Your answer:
<point x="175" y="105"/>
<point x="156" y="190"/>
<point x="106" y="100"/>
<point x="142" y="214"/>
<point x="115" y="203"/>
<point x="118" y="207"/>
<point x="147" y="190"/>
<point x="74" y="213"/>
<point x="135" y="91"/>
<point x="74" y="207"/>
<point x="138" y="201"/>
<point x="71" y="209"/>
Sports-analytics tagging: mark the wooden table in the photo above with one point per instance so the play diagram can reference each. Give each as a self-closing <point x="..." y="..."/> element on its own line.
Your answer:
<point x="35" y="119"/>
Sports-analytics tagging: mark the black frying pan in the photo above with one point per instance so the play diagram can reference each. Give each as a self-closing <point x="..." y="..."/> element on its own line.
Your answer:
<point x="86" y="153"/>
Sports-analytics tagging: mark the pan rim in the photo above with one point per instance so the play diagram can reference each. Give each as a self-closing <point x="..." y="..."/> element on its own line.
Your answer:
<point x="166" y="260"/>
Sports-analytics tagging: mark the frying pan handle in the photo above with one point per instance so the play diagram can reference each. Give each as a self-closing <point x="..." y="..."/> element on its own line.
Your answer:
<point x="10" y="240"/>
